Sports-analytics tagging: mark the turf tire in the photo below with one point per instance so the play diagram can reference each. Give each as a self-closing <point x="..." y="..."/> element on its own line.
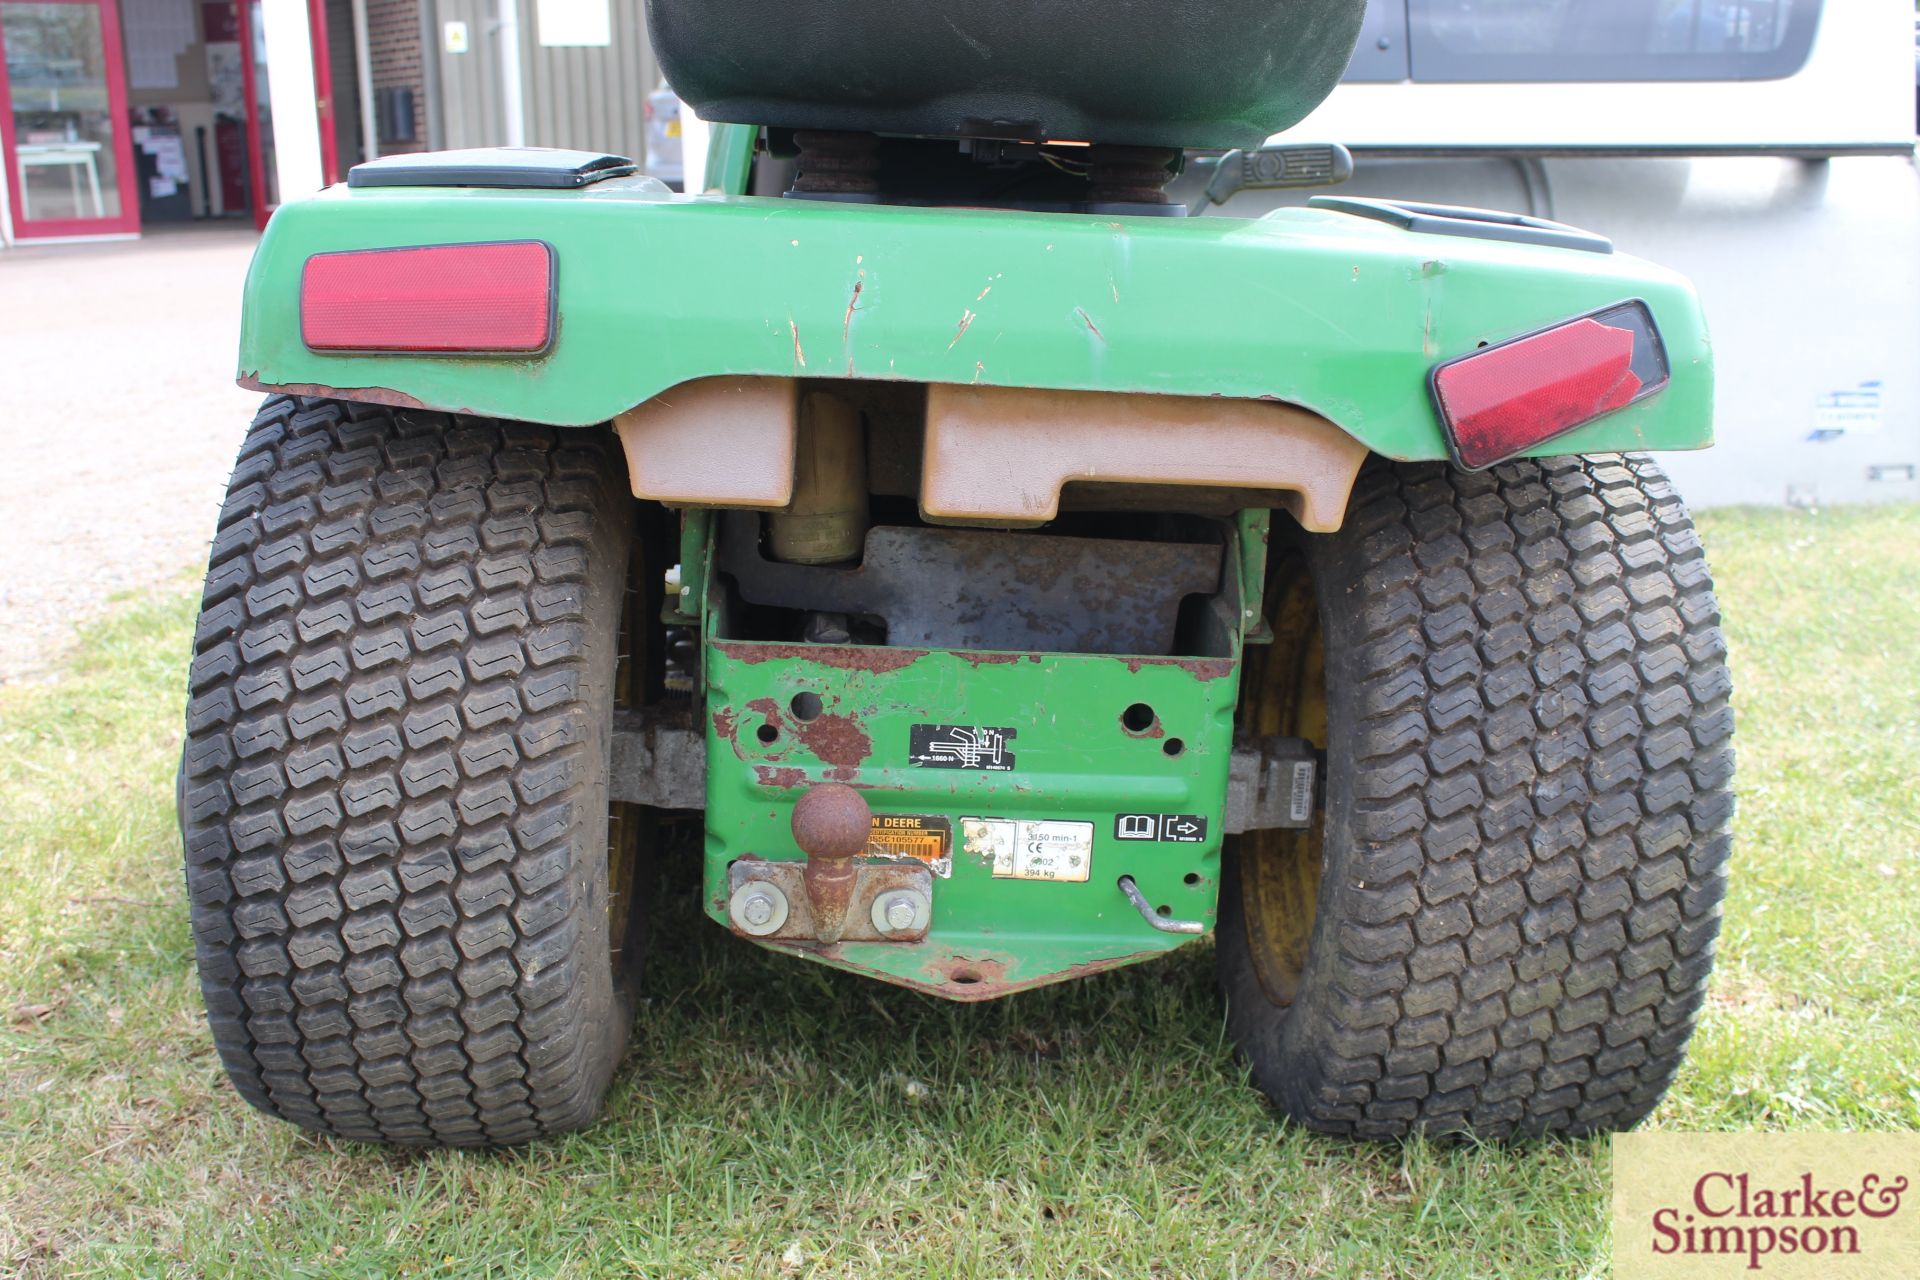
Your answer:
<point x="393" y="792"/>
<point x="1525" y="832"/>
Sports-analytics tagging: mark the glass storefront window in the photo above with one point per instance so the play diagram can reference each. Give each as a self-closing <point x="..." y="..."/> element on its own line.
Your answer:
<point x="63" y="125"/>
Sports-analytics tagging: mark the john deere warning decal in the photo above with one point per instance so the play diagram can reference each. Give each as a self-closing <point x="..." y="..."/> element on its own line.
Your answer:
<point x="960" y="746"/>
<point x="927" y="837"/>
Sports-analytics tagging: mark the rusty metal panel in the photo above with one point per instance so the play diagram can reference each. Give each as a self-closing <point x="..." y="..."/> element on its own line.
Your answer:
<point x="1113" y="768"/>
<point x="1071" y="754"/>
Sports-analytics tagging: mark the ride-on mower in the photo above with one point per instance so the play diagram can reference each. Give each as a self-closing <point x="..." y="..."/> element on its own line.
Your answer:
<point x="1026" y="579"/>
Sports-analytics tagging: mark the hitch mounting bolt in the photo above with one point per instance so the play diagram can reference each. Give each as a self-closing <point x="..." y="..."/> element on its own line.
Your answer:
<point x="758" y="908"/>
<point x="901" y="911"/>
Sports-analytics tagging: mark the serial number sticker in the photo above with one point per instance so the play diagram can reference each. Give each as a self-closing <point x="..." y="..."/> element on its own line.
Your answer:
<point x="926" y="837"/>
<point x="1300" y="796"/>
<point x="1030" y="849"/>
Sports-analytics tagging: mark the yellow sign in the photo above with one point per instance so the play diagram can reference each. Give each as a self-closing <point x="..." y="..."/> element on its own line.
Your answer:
<point x="925" y="837"/>
<point x="1703" y="1206"/>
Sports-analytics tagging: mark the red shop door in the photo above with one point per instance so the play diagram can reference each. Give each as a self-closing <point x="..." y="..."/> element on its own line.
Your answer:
<point x="261" y="176"/>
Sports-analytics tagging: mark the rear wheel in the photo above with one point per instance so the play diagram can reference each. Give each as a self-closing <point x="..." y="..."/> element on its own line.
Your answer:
<point x="413" y="917"/>
<point x="1504" y="921"/>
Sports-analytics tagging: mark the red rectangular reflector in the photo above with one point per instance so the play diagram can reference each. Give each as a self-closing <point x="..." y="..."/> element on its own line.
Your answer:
<point x="446" y="298"/>
<point x="1502" y="400"/>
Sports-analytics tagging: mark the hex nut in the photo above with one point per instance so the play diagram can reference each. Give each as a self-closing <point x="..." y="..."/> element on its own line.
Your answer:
<point x="901" y="911"/>
<point x="758" y="908"/>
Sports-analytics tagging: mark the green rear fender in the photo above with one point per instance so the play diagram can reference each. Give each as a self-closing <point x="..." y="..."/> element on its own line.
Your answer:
<point x="1338" y="314"/>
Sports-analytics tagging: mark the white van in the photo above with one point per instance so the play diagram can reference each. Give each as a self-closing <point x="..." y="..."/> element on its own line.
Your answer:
<point x="1764" y="147"/>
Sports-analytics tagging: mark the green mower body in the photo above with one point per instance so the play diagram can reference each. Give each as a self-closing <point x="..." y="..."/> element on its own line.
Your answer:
<point x="1013" y="587"/>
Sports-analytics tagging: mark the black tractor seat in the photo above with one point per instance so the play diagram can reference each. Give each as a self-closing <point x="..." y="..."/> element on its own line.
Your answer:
<point x="1158" y="73"/>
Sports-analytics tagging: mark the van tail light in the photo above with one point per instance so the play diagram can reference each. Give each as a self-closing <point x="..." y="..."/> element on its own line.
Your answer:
<point x="449" y="299"/>
<point x="1505" y="399"/>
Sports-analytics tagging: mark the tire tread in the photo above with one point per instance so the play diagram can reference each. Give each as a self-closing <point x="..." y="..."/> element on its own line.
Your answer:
<point x="392" y="783"/>
<point x="1527" y="829"/>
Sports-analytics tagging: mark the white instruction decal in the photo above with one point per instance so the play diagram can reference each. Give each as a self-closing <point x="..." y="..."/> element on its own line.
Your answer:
<point x="960" y="746"/>
<point x="1023" y="849"/>
<point x="1181" y="828"/>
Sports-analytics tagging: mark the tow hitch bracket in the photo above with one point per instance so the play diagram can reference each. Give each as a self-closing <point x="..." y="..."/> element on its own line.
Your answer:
<point x="889" y="902"/>
<point x="659" y="760"/>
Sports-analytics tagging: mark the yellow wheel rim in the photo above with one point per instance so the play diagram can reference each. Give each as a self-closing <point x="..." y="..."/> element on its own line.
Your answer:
<point x="1284" y="691"/>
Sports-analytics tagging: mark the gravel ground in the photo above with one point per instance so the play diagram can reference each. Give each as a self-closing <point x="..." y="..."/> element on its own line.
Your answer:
<point x="119" y="419"/>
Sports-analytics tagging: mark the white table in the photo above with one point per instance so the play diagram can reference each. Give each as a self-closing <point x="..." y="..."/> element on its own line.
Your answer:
<point x="76" y="156"/>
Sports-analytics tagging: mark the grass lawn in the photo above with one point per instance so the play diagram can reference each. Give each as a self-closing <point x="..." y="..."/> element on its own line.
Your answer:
<point x="778" y="1119"/>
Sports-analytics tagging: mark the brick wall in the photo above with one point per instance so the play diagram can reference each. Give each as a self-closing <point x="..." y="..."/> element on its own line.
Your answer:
<point x="393" y="37"/>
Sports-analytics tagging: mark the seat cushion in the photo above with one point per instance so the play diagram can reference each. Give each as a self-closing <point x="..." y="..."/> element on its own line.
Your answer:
<point x="1170" y="73"/>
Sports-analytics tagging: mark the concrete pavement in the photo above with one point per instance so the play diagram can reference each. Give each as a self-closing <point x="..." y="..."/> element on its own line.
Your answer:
<point x="119" y="420"/>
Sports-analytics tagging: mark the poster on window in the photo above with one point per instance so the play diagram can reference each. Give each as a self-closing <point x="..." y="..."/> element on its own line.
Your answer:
<point x="226" y="81"/>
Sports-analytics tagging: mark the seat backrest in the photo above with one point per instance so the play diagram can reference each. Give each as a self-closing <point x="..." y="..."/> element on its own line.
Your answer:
<point x="1169" y="73"/>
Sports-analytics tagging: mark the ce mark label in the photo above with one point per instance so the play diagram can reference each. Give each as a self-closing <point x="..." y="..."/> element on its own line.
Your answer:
<point x="1180" y="828"/>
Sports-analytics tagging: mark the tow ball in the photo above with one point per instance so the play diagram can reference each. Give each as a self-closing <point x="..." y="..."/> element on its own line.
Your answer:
<point x="830" y="897"/>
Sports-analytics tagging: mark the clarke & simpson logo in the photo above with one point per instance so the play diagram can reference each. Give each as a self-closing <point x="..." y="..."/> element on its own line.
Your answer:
<point x="1781" y="1205"/>
<point x="1728" y="1215"/>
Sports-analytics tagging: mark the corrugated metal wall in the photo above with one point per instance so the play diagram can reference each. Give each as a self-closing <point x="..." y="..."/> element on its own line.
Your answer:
<point x="470" y="81"/>
<point x="574" y="97"/>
